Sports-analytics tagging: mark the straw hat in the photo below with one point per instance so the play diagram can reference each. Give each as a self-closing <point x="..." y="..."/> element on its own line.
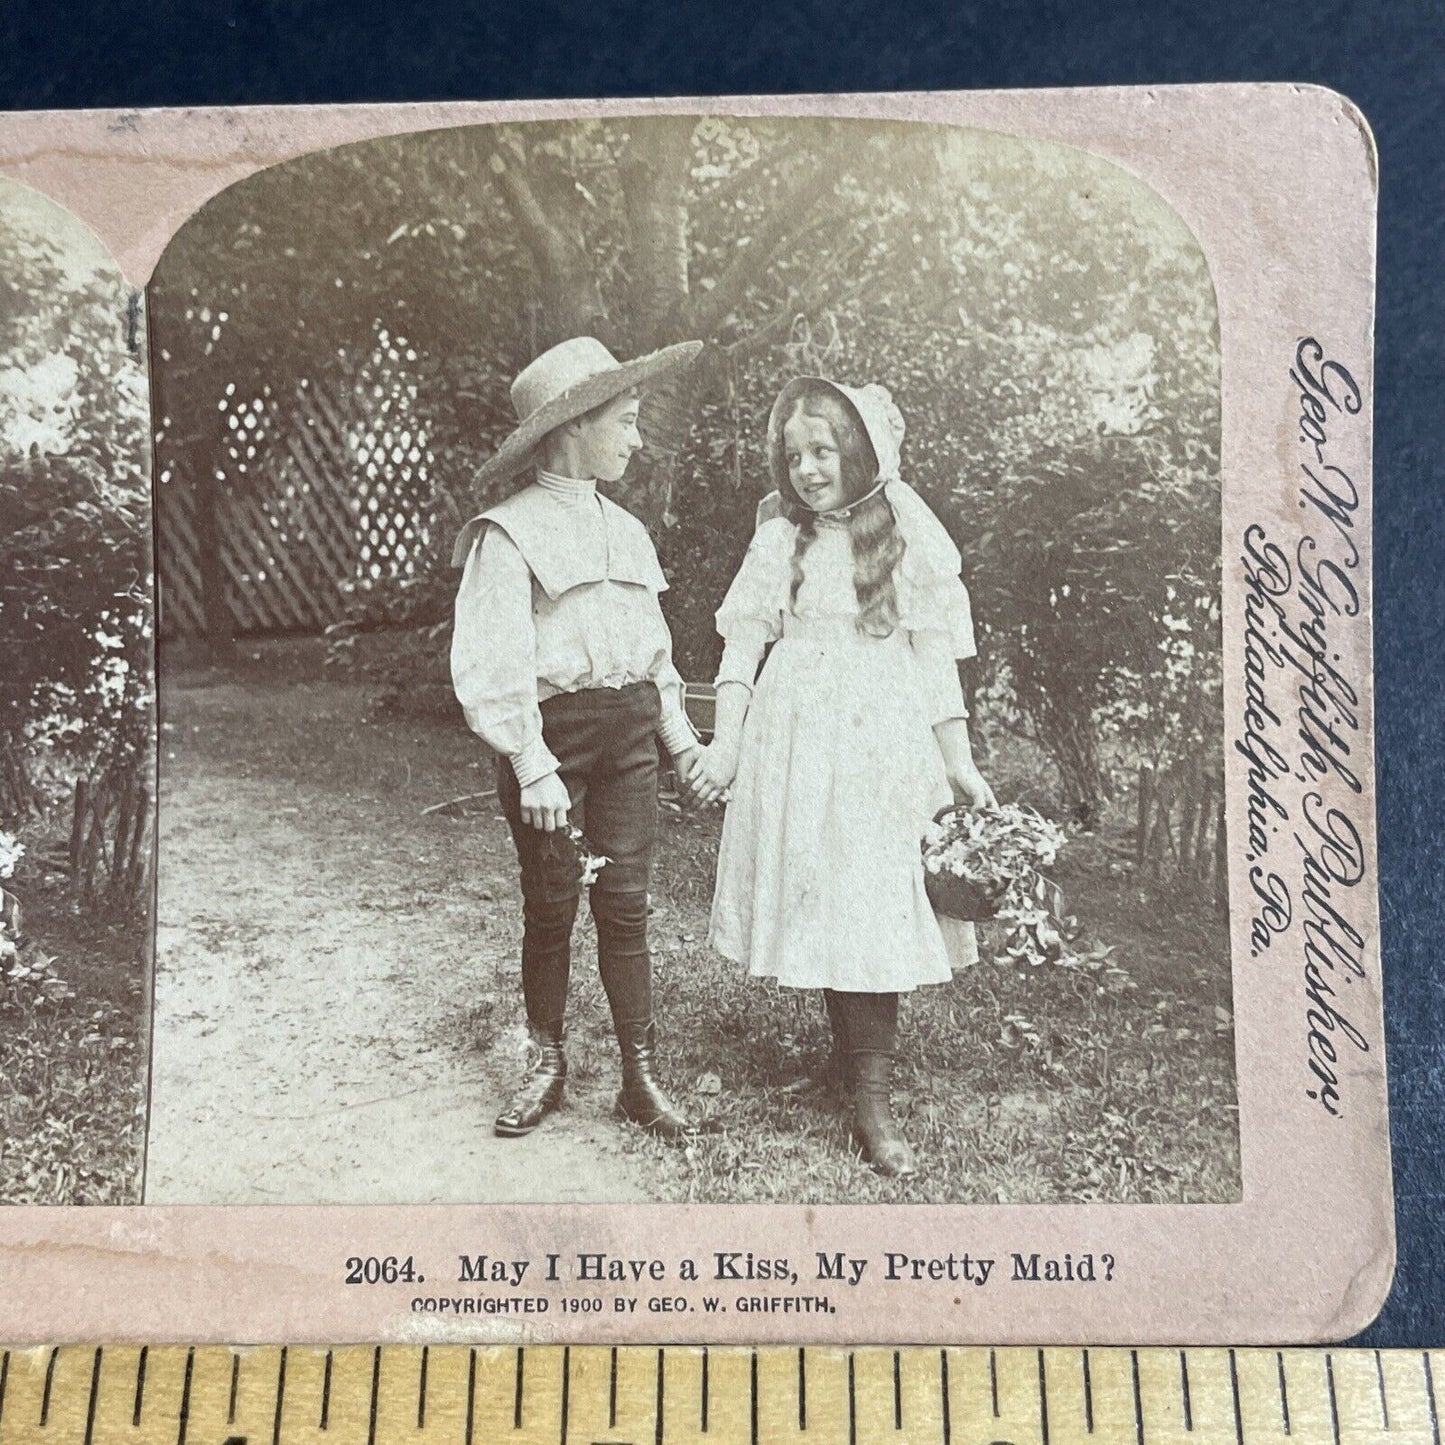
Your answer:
<point x="568" y="381"/>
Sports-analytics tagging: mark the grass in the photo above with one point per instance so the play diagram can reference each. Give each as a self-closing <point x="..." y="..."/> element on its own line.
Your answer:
<point x="72" y="1065"/>
<point x="1014" y="1085"/>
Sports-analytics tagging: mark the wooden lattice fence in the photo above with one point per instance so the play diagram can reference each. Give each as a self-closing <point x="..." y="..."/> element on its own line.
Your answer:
<point x="322" y="496"/>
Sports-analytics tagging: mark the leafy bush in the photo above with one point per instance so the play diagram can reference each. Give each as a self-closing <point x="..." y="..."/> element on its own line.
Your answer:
<point x="1045" y="322"/>
<point x="75" y="595"/>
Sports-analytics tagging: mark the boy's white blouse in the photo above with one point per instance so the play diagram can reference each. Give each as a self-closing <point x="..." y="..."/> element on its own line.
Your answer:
<point x="514" y="644"/>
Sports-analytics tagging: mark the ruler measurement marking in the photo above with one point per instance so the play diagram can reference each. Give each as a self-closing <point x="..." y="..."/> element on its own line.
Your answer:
<point x="280" y="1395"/>
<point x="943" y="1389"/>
<point x="325" y="1422"/>
<point x="753" y="1398"/>
<point x="94" y="1393"/>
<point x="852" y="1405"/>
<point x="705" y="1385"/>
<point x="375" y="1395"/>
<point x="1283" y="1392"/>
<point x="185" y="1415"/>
<point x="1334" y="1403"/>
<point x="1234" y="1390"/>
<point x="49" y="1377"/>
<point x="215" y="1386"/>
<point x="471" y="1392"/>
<point x="1430" y="1396"/>
<point x="517" y="1392"/>
<point x="566" y="1388"/>
<point x="140" y="1386"/>
<point x="1043" y="1401"/>
<point x="1138" y="1398"/>
<point x="992" y="1380"/>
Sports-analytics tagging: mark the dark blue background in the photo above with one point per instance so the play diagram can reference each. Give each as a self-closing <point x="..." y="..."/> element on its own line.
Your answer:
<point x="1386" y="56"/>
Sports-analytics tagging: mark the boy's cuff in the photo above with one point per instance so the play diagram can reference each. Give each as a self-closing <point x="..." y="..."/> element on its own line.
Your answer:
<point x="533" y="762"/>
<point x="677" y="733"/>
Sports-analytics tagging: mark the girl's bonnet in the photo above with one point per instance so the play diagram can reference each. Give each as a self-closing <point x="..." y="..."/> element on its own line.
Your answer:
<point x="873" y="406"/>
<point x="929" y="573"/>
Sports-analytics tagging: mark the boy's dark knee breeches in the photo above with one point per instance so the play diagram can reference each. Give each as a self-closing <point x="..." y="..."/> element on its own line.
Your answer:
<point x="605" y="744"/>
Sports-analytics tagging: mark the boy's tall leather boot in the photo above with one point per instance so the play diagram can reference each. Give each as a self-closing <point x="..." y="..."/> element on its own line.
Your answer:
<point x="872" y="1024"/>
<point x="546" y="966"/>
<point x="626" y="971"/>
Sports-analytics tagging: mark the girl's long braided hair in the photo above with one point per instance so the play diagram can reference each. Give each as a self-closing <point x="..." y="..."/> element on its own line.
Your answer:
<point x="872" y="527"/>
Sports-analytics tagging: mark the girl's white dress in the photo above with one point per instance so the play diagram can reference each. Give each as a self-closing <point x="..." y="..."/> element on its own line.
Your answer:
<point x="820" y="879"/>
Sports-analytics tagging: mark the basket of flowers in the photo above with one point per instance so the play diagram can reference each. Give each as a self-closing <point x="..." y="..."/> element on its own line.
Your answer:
<point x="982" y="865"/>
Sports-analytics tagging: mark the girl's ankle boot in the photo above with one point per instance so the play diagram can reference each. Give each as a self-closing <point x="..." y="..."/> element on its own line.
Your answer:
<point x="875" y="1130"/>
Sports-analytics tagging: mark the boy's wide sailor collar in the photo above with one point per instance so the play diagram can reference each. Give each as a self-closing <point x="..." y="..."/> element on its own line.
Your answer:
<point x="552" y="524"/>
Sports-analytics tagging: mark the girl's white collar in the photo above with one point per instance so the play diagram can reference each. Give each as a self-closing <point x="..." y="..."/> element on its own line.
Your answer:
<point x="841" y="514"/>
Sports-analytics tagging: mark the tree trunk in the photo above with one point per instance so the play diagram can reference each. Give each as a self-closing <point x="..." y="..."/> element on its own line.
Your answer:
<point x="666" y="410"/>
<point x="654" y="186"/>
<point x="1071" y="744"/>
<point x="571" y="298"/>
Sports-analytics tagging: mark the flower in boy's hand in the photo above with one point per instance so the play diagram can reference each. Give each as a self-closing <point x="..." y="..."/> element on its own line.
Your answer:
<point x="589" y="864"/>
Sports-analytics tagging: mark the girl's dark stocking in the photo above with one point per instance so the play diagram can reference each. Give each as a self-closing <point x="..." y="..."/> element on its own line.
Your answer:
<point x="871" y="1024"/>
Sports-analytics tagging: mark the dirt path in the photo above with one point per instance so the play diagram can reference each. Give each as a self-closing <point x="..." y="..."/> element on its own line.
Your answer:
<point x="336" y="1002"/>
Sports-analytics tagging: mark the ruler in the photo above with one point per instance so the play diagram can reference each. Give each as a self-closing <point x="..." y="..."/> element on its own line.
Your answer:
<point x="596" y="1395"/>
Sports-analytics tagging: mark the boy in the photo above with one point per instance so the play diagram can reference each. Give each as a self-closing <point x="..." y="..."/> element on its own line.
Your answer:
<point x="562" y="663"/>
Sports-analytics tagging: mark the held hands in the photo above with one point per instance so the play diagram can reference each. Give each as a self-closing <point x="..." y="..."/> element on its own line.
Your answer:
<point x="712" y="773"/>
<point x="545" y="803"/>
<point x="969" y="786"/>
<point x="684" y="762"/>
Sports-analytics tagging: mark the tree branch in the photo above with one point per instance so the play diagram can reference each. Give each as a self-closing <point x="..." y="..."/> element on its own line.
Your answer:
<point x="808" y="298"/>
<point x="551" y="246"/>
<point x="705" y="310"/>
<point x="571" y="294"/>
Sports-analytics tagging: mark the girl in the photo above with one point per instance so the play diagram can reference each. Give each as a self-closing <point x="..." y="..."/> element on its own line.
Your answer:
<point x="841" y="751"/>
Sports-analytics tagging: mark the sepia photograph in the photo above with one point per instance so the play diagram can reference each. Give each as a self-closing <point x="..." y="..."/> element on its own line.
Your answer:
<point x="690" y="671"/>
<point x="77" y="751"/>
